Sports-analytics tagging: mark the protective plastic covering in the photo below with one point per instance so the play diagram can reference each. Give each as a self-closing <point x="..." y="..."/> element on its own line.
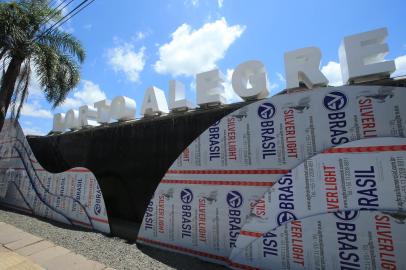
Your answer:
<point x="72" y="197"/>
<point x="339" y="240"/>
<point x="368" y="174"/>
<point x="215" y="185"/>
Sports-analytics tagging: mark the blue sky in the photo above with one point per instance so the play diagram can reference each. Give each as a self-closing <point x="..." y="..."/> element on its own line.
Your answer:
<point x="132" y="45"/>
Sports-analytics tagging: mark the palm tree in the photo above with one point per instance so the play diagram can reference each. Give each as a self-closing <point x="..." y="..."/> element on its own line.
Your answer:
<point x="26" y="47"/>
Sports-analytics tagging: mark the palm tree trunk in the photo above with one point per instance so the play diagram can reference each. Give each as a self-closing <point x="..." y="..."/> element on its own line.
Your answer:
<point x="7" y="87"/>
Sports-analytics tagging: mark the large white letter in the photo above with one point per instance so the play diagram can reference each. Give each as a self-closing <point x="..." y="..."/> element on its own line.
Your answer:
<point x="209" y="88"/>
<point x="250" y="72"/>
<point x="302" y="66"/>
<point x="154" y="102"/>
<point x="59" y="123"/>
<point x="362" y="57"/>
<point x="177" y="97"/>
<point x="103" y="111"/>
<point x="123" y="108"/>
<point x="87" y="116"/>
<point x="72" y="120"/>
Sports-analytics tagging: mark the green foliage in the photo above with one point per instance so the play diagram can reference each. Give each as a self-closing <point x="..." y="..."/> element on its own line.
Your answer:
<point x="54" y="55"/>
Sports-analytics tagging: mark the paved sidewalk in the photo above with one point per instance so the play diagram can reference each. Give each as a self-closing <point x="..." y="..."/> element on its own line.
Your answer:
<point x="20" y="250"/>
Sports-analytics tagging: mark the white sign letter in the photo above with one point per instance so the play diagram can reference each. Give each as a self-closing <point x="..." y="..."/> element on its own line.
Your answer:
<point x="154" y="102"/>
<point x="72" y="120"/>
<point x="362" y="57"/>
<point x="177" y="97"/>
<point x="87" y="116"/>
<point x="253" y="73"/>
<point x="302" y="66"/>
<point x="103" y="111"/>
<point x="123" y="108"/>
<point x="209" y="88"/>
<point x="59" y="123"/>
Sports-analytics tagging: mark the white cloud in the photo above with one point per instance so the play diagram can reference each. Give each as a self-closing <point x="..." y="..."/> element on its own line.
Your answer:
<point x="35" y="87"/>
<point x="140" y="35"/>
<point x="65" y="9"/>
<point x="273" y="86"/>
<point x="31" y="128"/>
<point x="194" y="3"/>
<point x="220" y="3"/>
<point x="124" y="58"/>
<point x="333" y="73"/>
<point x="400" y="63"/>
<point x="280" y="77"/>
<point x="62" y="7"/>
<point x="192" y="51"/>
<point x="193" y="85"/>
<point x="87" y="95"/>
<point x="34" y="110"/>
<point x="33" y="131"/>
<point x="67" y="27"/>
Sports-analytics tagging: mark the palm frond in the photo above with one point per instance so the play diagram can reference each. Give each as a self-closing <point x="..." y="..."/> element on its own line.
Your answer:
<point x="58" y="72"/>
<point x="55" y="55"/>
<point x="45" y="60"/>
<point x="13" y="26"/>
<point x="64" y="42"/>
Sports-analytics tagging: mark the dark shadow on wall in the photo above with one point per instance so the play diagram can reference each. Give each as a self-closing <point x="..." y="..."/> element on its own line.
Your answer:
<point x="128" y="159"/>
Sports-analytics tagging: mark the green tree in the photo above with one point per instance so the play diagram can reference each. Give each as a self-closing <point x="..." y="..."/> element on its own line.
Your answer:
<point x="26" y="47"/>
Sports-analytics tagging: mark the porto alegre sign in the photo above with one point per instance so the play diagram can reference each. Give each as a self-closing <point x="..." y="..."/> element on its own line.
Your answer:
<point x="361" y="59"/>
<point x="304" y="180"/>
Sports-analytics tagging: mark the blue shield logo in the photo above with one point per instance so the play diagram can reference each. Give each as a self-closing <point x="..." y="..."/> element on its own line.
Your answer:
<point x="335" y="101"/>
<point x="285" y="216"/>
<point x="266" y="110"/>
<point x="97" y="209"/>
<point x="234" y="199"/>
<point x="346" y="215"/>
<point x="186" y="195"/>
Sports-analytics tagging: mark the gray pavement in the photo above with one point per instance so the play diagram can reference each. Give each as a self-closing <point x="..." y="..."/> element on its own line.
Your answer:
<point x="108" y="251"/>
<point x="20" y="250"/>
